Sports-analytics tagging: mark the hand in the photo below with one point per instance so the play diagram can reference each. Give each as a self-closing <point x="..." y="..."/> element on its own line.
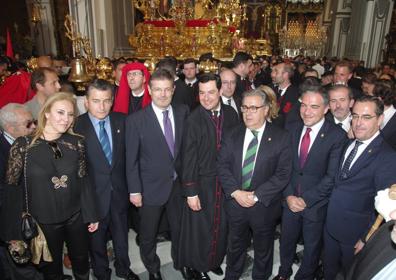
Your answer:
<point x="194" y="203"/>
<point x="92" y="227"/>
<point x="244" y="198"/>
<point x="359" y="246"/>
<point x="136" y="199"/>
<point x="295" y="204"/>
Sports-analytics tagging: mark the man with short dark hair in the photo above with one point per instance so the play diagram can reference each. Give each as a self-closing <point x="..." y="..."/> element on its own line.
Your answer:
<point x="254" y="166"/>
<point x="190" y="71"/>
<point x="45" y="82"/>
<point x="243" y="64"/>
<point x="154" y="137"/>
<point x="343" y="75"/>
<point x="317" y="145"/>
<point x="368" y="83"/>
<point x="104" y="133"/>
<point x="364" y="170"/>
<point x="203" y="226"/>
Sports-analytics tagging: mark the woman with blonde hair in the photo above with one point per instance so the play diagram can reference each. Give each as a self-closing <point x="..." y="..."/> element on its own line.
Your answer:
<point x="273" y="105"/>
<point x="52" y="164"/>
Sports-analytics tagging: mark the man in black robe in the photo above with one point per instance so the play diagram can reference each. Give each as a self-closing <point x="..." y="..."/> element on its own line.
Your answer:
<point x="203" y="234"/>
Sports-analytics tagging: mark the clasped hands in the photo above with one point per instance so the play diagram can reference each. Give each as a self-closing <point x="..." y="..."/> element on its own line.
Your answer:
<point x="295" y="204"/>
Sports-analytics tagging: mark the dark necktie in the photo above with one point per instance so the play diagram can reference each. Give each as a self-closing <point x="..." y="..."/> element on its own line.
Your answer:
<point x="189" y="84"/>
<point x="304" y="147"/>
<point x="339" y="124"/>
<point x="229" y="101"/>
<point x="248" y="162"/>
<point x="104" y="141"/>
<point x="168" y="131"/>
<point x="348" y="161"/>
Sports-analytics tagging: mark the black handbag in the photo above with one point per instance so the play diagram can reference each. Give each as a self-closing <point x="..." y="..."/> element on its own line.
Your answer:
<point x="29" y="224"/>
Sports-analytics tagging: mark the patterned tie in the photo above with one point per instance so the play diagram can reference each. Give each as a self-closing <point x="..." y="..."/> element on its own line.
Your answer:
<point x="104" y="141"/>
<point x="304" y="147"/>
<point x="248" y="162"/>
<point x="348" y="161"/>
<point x="229" y="101"/>
<point x="168" y="132"/>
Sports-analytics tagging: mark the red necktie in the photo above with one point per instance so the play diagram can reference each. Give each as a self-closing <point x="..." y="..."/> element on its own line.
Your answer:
<point x="304" y="147"/>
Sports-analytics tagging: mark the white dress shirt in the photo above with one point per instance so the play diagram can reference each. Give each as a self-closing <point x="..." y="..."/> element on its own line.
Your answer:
<point x="312" y="135"/>
<point x="346" y="123"/>
<point x="160" y="117"/>
<point x="233" y="104"/>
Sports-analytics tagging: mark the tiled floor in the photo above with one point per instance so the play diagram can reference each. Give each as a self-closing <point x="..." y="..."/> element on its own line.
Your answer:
<point x="167" y="270"/>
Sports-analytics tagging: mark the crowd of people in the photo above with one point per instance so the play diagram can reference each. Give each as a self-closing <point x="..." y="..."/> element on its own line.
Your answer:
<point x="215" y="162"/>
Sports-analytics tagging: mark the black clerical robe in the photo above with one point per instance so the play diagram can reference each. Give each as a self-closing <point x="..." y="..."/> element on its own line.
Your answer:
<point x="203" y="238"/>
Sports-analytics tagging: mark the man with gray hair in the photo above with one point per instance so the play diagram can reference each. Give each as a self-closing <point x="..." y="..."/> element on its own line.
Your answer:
<point x="254" y="166"/>
<point x="15" y="121"/>
<point x="317" y="144"/>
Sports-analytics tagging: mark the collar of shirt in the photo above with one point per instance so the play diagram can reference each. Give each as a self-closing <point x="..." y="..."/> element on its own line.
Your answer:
<point x="137" y="94"/>
<point x="225" y="99"/>
<point x="95" y="121"/>
<point x="248" y="138"/>
<point x="176" y="78"/>
<point x="9" y="138"/>
<point x="312" y="135"/>
<point x="160" y="116"/>
<point x="360" y="150"/>
<point x="346" y="123"/>
<point x="190" y="82"/>
<point x="218" y="109"/>
<point x="388" y="114"/>
<point x="283" y="90"/>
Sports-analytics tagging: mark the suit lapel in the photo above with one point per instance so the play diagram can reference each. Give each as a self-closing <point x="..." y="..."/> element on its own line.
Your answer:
<point x="266" y="139"/>
<point x="157" y="127"/>
<point x="296" y="143"/>
<point x="367" y="156"/>
<point x="239" y="150"/>
<point x="115" y="134"/>
<point x="317" y="144"/>
<point x="178" y="129"/>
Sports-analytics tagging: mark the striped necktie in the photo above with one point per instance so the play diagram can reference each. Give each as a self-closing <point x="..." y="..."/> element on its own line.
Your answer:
<point x="104" y="141"/>
<point x="248" y="162"/>
<point x="347" y="164"/>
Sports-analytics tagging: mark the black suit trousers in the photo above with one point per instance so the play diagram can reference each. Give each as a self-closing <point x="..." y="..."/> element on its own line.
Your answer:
<point x="261" y="221"/>
<point x="75" y="233"/>
<point x="150" y="218"/>
<point x="293" y="224"/>
<point x="115" y="223"/>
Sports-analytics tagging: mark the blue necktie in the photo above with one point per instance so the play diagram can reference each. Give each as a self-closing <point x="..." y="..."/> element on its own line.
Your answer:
<point x="347" y="164"/>
<point x="104" y="141"/>
<point x="168" y="132"/>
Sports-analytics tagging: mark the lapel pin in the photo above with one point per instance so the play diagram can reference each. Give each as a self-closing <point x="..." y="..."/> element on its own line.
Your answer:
<point x="118" y="131"/>
<point x="322" y="135"/>
<point x="369" y="151"/>
<point x="269" y="139"/>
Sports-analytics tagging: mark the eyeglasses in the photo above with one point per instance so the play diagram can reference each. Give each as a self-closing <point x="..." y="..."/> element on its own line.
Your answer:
<point x="30" y="123"/>
<point x="134" y="74"/>
<point x="55" y="149"/>
<point x="362" y="117"/>
<point x="252" y="109"/>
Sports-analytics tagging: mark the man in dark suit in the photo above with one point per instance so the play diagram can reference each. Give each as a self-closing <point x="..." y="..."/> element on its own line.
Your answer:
<point x="243" y="64"/>
<point x="364" y="169"/>
<point x="104" y="133"/>
<point x="343" y="75"/>
<point x="317" y="145"/>
<point x="153" y="139"/>
<point x="287" y="94"/>
<point x="183" y="94"/>
<point x="340" y="102"/>
<point x="227" y="90"/>
<point x="190" y="71"/>
<point x="254" y="166"/>
<point x="15" y="121"/>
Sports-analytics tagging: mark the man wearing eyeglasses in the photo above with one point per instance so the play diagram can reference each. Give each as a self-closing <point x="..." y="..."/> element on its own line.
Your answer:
<point x="317" y="145"/>
<point x="203" y="237"/>
<point x="228" y="85"/>
<point x="15" y="121"/>
<point x="254" y="166"/>
<point x="366" y="166"/>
